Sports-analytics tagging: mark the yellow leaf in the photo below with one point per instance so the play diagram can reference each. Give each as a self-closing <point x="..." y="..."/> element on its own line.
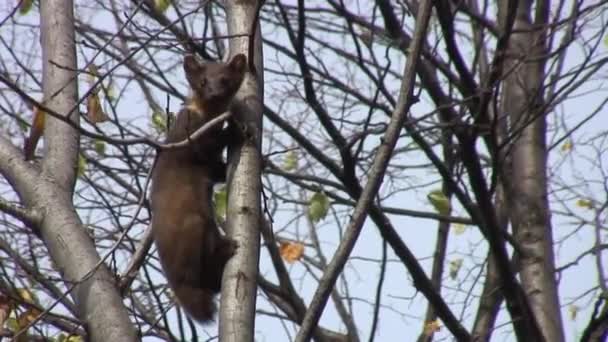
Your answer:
<point x="94" y="111"/>
<point x="74" y="338"/>
<point x="567" y="146"/>
<point x="290" y="162"/>
<point x="27" y="296"/>
<point x="291" y="251"/>
<point x="455" y="266"/>
<point x="584" y="203"/>
<point x="432" y="327"/>
<point x="459" y="228"/>
<point x="318" y="206"/>
<point x="440" y="201"/>
<point x="573" y="310"/>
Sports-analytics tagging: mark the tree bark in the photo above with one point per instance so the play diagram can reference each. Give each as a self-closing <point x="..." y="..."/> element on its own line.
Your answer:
<point x="523" y="102"/>
<point x="239" y="286"/>
<point x="50" y="190"/>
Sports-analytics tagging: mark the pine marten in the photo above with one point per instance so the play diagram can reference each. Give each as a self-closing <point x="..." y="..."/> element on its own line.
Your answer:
<point x="192" y="250"/>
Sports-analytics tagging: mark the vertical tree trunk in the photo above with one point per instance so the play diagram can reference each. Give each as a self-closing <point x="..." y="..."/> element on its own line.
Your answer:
<point x="72" y="250"/>
<point x="239" y="287"/>
<point x="523" y="102"/>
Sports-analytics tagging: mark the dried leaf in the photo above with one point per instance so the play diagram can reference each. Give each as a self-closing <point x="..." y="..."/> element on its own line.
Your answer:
<point x="27" y="296"/>
<point x="36" y="132"/>
<point x="432" y="327"/>
<point x="440" y="201"/>
<point x="291" y="251"/>
<point x="567" y="146"/>
<point x="23" y="320"/>
<point x="94" y="111"/>
<point x="318" y="206"/>
<point x="27" y="317"/>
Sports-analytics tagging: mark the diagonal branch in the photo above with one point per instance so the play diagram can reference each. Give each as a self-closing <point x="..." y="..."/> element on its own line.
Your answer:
<point x="380" y="163"/>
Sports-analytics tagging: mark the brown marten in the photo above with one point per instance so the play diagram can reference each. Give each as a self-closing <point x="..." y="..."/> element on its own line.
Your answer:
<point x="192" y="250"/>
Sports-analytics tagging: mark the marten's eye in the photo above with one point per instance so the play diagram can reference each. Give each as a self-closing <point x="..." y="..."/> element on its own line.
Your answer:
<point x="203" y="82"/>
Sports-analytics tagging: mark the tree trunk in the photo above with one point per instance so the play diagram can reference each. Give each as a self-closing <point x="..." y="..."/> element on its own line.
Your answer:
<point x="72" y="250"/>
<point x="523" y="102"/>
<point x="239" y="287"/>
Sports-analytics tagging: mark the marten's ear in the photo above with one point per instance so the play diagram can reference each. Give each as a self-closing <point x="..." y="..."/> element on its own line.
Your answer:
<point x="238" y="63"/>
<point x="191" y="65"/>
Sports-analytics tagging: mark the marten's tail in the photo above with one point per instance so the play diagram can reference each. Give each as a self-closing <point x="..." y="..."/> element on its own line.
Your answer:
<point x="198" y="302"/>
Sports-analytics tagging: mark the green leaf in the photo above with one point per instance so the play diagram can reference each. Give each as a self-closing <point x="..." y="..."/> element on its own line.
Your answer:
<point x="100" y="147"/>
<point x="455" y="266"/>
<point x="220" y="198"/>
<point x="290" y="162"/>
<point x="318" y="206"/>
<point x="26" y="6"/>
<point x="111" y="92"/>
<point x="12" y="324"/>
<point x="159" y="122"/>
<point x="82" y="165"/>
<point x="584" y="203"/>
<point x="440" y="201"/>
<point x="162" y="5"/>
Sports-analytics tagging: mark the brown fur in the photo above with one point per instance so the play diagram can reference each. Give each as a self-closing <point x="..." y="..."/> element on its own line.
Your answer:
<point x="192" y="250"/>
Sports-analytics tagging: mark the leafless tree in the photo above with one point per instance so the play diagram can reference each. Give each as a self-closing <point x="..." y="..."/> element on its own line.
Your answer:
<point x="470" y="132"/>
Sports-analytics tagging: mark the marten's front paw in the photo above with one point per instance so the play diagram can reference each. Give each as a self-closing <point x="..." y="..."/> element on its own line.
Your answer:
<point x="228" y="248"/>
<point x="233" y="246"/>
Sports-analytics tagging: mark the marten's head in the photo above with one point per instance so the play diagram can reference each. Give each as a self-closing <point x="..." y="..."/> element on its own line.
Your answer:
<point x="214" y="84"/>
